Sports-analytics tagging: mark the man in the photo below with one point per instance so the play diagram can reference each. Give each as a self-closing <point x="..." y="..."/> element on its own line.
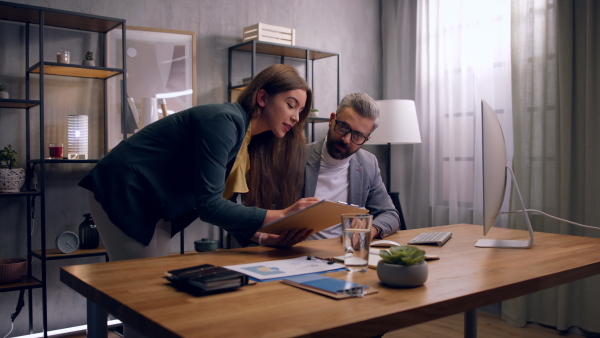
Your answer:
<point x="338" y="170"/>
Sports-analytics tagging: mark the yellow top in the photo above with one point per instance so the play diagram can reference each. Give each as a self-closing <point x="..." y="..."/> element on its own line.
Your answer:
<point x="236" y="181"/>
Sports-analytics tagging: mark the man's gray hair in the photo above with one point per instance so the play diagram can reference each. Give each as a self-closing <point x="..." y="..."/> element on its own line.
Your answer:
<point x="363" y="104"/>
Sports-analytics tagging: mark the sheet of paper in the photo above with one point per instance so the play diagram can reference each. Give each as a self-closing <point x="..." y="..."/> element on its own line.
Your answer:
<point x="374" y="258"/>
<point x="284" y="268"/>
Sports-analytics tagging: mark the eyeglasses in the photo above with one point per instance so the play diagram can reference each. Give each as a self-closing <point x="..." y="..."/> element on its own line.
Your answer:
<point x="356" y="137"/>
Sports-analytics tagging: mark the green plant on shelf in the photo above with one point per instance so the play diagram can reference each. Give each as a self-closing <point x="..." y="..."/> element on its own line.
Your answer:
<point x="403" y="255"/>
<point x="8" y="158"/>
<point x="89" y="56"/>
<point x="2" y="87"/>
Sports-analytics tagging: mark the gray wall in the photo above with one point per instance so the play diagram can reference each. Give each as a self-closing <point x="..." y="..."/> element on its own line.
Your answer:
<point x="348" y="27"/>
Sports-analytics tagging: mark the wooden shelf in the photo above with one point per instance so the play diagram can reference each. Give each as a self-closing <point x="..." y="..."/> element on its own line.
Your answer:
<point x="53" y="68"/>
<point x="25" y="283"/>
<point x="57" y="18"/>
<point x="282" y="50"/>
<point x="20" y="193"/>
<point x="52" y="254"/>
<point x="19" y="104"/>
<point x="313" y="119"/>
<point x="64" y="160"/>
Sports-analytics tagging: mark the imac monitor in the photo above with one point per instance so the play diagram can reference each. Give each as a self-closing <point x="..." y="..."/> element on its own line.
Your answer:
<point x="494" y="166"/>
<point x="495" y="173"/>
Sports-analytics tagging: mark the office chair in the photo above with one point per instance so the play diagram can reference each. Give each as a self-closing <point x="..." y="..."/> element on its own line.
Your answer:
<point x="396" y="200"/>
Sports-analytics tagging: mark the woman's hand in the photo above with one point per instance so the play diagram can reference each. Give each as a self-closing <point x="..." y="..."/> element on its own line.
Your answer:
<point x="299" y="205"/>
<point x="284" y="240"/>
<point x="287" y="238"/>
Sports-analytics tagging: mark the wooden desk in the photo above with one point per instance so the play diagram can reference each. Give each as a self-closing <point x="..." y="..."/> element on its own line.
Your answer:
<point x="464" y="279"/>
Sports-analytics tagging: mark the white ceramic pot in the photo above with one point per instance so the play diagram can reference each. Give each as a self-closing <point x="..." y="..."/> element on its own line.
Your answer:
<point x="11" y="180"/>
<point x="90" y="63"/>
<point x="402" y="275"/>
<point x="4" y="95"/>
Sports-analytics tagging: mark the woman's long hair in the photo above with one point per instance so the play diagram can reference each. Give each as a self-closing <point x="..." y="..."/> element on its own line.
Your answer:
<point x="276" y="175"/>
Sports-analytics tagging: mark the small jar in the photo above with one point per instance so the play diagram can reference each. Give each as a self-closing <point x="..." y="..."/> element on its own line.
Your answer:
<point x="63" y="57"/>
<point x="88" y="234"/>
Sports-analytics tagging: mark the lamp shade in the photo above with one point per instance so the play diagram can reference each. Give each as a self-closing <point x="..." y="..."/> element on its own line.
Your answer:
<point x="78" y="137"/>
<point x="398" y="123"/>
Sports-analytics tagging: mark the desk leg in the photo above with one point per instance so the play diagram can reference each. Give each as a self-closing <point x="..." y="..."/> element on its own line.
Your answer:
<point x="96" y="321"/>
<point x="471" y="324"/>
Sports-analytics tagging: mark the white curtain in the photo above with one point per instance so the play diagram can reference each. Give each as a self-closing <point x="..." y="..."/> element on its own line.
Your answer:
<point x="551" y="91"/>
<point x="556" y="100"/>
<point x="462" y="56"/>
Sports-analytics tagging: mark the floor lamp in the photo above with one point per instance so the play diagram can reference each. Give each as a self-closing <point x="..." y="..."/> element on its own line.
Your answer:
<point x="398" y="124"/>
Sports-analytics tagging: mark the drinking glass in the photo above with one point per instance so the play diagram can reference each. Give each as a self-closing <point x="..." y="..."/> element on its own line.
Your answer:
<point x="55" y="150"/>
<point x="357" y="240"/>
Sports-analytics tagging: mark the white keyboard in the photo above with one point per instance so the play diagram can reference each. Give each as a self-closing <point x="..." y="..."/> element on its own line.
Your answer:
<point x="438" y="238"/>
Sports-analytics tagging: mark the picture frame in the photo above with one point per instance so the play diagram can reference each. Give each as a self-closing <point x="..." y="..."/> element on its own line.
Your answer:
<point x="161" y="63"/>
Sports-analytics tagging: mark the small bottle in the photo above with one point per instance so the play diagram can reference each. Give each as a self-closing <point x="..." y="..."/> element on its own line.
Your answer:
<point x="88" y="234"/>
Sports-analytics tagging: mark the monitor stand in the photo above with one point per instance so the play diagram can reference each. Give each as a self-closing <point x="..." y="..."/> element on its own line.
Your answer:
<point x="508" y="243"/>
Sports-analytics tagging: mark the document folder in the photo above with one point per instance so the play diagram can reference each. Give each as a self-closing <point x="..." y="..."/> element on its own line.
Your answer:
<point x="317" y="217"/>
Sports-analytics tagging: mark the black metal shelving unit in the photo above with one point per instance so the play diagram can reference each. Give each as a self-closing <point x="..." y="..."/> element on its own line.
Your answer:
<point x="40" y="18"/>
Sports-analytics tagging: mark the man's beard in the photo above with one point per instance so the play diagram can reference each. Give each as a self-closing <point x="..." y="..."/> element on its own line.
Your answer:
<point x="334" y="151"/>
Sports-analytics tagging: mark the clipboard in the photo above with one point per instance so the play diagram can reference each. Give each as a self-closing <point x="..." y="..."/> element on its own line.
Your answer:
<point x="317" y="217"/>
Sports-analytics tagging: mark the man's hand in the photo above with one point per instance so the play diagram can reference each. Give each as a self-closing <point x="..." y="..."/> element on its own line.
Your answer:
<point x="284" y="240"/>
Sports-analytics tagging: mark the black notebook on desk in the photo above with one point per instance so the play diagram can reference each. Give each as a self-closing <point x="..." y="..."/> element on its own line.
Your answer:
<point x="206" y="278"/>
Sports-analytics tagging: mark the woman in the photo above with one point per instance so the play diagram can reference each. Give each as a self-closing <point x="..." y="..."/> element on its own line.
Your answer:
<point x="194" y="163"/>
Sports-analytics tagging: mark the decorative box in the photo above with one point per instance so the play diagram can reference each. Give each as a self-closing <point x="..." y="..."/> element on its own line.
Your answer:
<point x="270" y="33"/>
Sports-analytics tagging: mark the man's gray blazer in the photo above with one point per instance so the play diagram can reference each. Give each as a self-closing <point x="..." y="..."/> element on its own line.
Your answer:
<point x="365" y="189"/>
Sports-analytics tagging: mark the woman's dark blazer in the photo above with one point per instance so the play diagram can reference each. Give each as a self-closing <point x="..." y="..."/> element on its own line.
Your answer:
<point x="175" y="169"/>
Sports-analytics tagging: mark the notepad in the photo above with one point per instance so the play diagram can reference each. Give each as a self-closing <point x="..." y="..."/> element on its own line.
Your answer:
<point x="317" y="217"/>
<point x="329" y="286"/>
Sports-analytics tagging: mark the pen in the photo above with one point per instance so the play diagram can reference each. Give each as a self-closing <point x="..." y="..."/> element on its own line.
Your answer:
<point x="354" y="205"/>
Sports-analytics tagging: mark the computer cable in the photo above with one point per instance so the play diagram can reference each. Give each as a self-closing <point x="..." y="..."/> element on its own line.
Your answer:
<point x="20" y="304"/>
<point x="553" y="217"/>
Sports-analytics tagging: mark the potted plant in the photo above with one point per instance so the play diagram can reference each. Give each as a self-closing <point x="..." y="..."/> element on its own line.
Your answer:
<point x="3" y="92"/>
<point x="88" y="60"/>
<point x="11" y="179"/>
<point x="402" y="266"/>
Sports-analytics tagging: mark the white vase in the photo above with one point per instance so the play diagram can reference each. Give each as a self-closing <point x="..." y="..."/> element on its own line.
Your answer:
<point x="3" y="95"/>
<point x="402" y="275"/>
<point x="90" y="63"/>
<point x="11" y="180"/>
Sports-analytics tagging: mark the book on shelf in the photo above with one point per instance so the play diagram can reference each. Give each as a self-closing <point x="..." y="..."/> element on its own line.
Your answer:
<point x="206" y="278"/>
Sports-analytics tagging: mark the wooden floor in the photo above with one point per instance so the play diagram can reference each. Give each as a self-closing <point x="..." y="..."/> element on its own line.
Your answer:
<point x="488" y="325"/>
